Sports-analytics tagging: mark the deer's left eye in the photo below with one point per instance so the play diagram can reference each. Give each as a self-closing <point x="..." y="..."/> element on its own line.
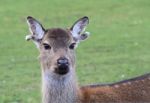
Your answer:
<point x="46" y="46"/>
<point x="72" y="46"/>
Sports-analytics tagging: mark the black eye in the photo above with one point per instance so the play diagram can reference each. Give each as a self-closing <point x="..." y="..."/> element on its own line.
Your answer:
<point x="46" y="46"/>
<point x="72" y="46"/>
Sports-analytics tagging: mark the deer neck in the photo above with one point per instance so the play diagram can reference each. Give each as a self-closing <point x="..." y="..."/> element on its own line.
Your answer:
<point x="59" y="89"/>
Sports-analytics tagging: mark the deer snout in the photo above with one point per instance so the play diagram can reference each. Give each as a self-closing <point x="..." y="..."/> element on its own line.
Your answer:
<point x="63" y="66"/>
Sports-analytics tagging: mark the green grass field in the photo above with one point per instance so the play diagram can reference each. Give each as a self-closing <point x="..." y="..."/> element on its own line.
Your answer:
<point x="118" y="48"/>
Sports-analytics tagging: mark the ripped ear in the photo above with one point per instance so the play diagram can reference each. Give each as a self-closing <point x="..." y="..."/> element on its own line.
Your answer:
<point x="36" y="29"/>
<point x="78" y="29"/>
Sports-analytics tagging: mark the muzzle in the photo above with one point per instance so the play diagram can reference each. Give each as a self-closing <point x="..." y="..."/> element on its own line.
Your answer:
<point x="62" y="66"/>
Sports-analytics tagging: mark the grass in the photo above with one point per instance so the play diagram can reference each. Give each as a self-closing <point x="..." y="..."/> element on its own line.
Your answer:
<point x="118" y="47"/>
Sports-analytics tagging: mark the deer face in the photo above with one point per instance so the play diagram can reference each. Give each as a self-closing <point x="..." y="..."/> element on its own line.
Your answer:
<point x="57" y="45"/>
<point x="57" y="51"/>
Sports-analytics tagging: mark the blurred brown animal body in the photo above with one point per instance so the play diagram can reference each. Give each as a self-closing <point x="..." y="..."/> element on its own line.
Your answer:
<point x="57" y="57"/>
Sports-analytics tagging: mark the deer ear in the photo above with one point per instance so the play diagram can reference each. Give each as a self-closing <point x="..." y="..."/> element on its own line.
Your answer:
<point x="36" y="29"/>
<point x="78" y="29"/>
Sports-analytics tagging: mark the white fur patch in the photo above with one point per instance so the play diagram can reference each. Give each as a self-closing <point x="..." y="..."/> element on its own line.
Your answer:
<point x="59" y="89"/>
<point x="28" y="37"/>
<point x="116" y="86"/>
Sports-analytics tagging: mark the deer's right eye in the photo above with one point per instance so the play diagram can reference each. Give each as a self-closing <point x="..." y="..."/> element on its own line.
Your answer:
<point x="46" y="46"/>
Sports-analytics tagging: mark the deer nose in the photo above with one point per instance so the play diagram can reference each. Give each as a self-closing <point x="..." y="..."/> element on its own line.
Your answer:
<point x="62" y="61"/>
<point x="63" y="66"/>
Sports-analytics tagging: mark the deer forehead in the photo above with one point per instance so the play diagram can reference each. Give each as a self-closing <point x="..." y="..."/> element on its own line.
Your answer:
<point x="58" y="36"/>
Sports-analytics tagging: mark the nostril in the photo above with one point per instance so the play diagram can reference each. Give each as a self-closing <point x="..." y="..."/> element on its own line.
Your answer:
<point x="62" y="61"/>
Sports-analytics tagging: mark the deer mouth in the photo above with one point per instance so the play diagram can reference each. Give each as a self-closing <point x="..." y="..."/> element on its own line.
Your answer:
<point x="62" y="69"/>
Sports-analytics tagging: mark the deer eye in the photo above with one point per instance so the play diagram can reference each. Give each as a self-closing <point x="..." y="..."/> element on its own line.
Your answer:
<point x="46" y="46"/>
<point x="72" y="46"/>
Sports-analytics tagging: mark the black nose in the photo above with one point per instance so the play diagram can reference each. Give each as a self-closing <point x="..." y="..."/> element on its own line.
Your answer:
<point x="62" y="61"/>
<point x="63" y="66"/>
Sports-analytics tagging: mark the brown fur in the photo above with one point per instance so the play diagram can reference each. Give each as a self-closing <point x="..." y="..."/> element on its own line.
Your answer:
<point x="136" y="90"/>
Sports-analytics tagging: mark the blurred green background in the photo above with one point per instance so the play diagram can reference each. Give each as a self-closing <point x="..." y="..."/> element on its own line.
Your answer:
<point x="118" y="47"/>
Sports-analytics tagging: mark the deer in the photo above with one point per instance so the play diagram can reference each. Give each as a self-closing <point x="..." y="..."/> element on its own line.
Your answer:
<point x="58" y="69"/>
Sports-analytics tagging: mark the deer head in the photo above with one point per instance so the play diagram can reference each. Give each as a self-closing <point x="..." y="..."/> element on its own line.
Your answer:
<point x="57" y="45"/>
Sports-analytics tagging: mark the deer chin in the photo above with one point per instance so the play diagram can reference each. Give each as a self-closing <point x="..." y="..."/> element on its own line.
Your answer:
<point x="60" y="77"/>
<point x="62" y="71"/>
